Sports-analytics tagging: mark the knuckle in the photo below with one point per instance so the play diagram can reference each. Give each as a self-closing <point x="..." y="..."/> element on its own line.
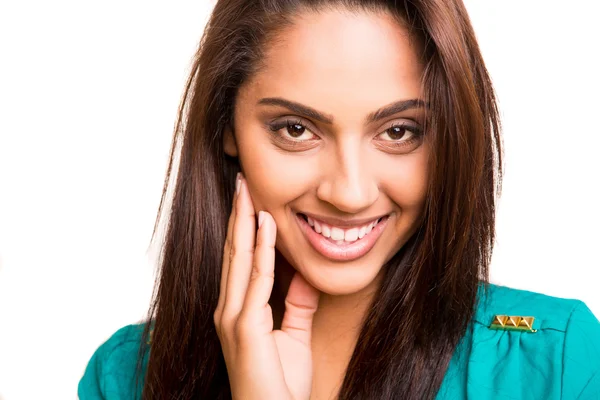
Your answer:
<point x="228" y="244"/>
<point x="219" y="316"/>
<point x="262" y="243"/>
<point x="225" y="327"/>
<point x="257" y="273"/>
<point x="217" y="322"/>
<point x="236" y="251"/>
<point x="244" y="327"/>
<point x="232" y="252"/>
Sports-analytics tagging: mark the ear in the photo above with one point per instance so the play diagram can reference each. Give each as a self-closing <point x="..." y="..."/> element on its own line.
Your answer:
<point x="229" y="144"/>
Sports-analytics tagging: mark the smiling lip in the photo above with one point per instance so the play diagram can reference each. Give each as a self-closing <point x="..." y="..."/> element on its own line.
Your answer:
<point x="346" y="251"/>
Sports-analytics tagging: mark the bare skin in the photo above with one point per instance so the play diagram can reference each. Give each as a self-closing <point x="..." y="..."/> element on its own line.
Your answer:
<point x="346" y="66"/>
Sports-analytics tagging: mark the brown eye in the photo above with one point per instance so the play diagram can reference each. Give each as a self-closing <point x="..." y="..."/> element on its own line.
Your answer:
<point x="295" y="130"/>
<point x="397" y="132"/>
<point x="400" y="138"/>
<point x="292" y="130"/>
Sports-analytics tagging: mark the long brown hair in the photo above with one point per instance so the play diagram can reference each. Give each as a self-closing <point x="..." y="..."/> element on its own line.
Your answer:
<point x="427" y="298"/>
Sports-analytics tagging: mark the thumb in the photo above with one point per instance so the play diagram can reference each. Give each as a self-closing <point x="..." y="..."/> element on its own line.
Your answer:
<point x="301" y="303"/>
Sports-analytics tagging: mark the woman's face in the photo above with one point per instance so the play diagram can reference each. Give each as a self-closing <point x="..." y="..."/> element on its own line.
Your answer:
<point x="328" y="135"/>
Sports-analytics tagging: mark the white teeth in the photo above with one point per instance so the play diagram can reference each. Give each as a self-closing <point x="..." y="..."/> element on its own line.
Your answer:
<point x="362" y="232"/>
<point x="317" y="227"/>
<point x="336" y="233"/>
<point x="351" y="235"/>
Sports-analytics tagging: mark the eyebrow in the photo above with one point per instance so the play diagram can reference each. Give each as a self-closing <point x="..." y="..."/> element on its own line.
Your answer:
<point x="375" y="116"/>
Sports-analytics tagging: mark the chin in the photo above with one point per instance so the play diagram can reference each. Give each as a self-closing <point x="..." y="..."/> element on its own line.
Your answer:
<point x="339" y="279"/>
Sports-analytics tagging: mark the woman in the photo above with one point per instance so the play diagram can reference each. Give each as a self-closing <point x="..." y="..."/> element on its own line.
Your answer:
<point x="333" y="220"/>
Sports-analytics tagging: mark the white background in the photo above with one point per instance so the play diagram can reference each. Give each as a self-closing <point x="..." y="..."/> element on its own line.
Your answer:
<point x="88" y="98"/>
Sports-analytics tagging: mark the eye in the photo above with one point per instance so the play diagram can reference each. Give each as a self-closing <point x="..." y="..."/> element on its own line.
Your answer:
<point x="400" y="137"/>
<point x="292" y="130"/>
<point x="400" y="133"/>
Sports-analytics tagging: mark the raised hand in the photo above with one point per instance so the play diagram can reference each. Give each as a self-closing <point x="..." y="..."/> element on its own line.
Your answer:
<point x="262" y="363"/>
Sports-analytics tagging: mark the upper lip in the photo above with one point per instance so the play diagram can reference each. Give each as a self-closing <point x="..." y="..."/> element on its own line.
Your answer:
<point x="343" y="223"/>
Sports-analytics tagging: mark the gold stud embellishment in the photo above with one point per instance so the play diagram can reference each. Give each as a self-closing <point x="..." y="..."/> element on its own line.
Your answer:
<point x="513" y="323"/>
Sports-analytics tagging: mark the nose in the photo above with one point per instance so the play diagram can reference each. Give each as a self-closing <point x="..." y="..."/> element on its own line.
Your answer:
<point x="348" y="182"/>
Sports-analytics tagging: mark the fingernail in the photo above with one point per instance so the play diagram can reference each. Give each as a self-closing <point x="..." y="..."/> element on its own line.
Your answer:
<point x="238" y="182"/>
<point x="261" y="218"/>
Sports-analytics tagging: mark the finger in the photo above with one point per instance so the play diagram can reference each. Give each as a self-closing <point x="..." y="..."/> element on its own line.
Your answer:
<point x="242" y="252"/>
<point x="263" y="268"/>
<point x="227" y="251"/>
<point x="301" y="304"/>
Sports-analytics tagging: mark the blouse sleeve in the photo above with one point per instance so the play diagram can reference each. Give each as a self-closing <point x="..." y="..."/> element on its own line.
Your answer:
<point x="581" y="355"/>
<point x="110" y="373"/>
<point x="90" y="385"/>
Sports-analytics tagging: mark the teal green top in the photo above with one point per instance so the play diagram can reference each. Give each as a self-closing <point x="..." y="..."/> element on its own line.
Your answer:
<point x="560" y="360"/>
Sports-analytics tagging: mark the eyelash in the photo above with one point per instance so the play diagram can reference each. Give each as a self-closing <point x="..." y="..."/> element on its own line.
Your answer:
<point x="279" y="125"/>
<point x="417" y="133"/>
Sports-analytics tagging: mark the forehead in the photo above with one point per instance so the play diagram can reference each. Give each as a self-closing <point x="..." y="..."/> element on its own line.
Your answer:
<point x="338" y="60"/>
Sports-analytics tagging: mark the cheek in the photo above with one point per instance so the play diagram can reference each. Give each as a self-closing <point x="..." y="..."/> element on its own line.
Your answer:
<point x="274" y="178"/>
<point x="405" y="182"/>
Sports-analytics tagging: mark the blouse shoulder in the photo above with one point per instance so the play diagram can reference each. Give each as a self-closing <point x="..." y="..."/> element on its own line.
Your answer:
<point x="555" y="355"/>
<point x="581" y="357"/>
<point x="111" y="372"/>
